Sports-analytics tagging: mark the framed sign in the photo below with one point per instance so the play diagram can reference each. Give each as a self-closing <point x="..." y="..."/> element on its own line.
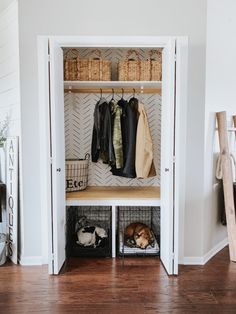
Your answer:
<point x="12" y="196"/>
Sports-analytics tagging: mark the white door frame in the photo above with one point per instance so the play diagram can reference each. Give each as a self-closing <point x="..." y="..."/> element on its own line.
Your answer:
<point x="180" y="127"/>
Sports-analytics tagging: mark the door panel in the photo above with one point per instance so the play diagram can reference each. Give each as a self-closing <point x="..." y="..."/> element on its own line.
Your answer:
<point x="180" y="144"/>
<point x="167" y="152"/>
<point x="58" y="155"/>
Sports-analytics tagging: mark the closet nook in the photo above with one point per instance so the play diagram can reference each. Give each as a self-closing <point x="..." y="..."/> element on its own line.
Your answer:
<point x="100" y="217"/>
<point x="106" y="183"/>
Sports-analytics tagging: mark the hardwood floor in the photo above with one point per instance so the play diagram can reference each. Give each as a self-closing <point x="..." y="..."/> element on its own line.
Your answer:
<point x="140" y="285"/>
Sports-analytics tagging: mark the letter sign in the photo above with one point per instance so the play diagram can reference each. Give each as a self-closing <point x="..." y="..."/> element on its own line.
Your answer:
<point x="12" y="195"/>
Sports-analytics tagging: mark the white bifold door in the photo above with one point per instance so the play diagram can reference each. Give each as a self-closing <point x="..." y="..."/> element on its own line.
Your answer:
<point x="56" y="103"/>
<point x="173" y="141"/>
<point x="169" y="158"/>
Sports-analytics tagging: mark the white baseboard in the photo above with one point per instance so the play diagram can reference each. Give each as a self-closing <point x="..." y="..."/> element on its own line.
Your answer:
<point x="191" y="260"/>
<point x="217" y="248"/>
<point x="44" y="260"/>
<point x="202" y="260"/>
<point x="30" y="260"/>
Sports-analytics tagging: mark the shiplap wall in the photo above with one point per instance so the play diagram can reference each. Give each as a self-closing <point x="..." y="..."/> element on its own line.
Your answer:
<point x="9" y="69"/>
<point x="9" y="75"/>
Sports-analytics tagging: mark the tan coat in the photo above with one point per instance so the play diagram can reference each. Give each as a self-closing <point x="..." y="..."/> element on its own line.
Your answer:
<point x="144" y="165"/>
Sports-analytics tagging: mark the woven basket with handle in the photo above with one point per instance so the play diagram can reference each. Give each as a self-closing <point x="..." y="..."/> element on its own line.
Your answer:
<point x="71" y="58"/>
<point x="155" y="66"/>
<point x="94" y="69"/>
<point x="87" y="69"/>
<point x="129" y="69"/>
<point x="140" y="70"/>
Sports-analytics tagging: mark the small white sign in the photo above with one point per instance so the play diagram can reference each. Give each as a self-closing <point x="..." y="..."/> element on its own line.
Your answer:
<point x="12" y="196"/>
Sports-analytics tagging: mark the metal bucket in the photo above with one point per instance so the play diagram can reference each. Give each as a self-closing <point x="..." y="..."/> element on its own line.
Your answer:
<point x="3" y="248"/>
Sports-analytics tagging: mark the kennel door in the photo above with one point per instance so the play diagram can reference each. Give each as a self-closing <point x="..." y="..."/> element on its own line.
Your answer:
<point x="57" y="157"/>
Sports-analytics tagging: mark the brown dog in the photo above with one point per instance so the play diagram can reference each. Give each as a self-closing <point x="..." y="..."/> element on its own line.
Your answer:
<point x="140" y="234"/>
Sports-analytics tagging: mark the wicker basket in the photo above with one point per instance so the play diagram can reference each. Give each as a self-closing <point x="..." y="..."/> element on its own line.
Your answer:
<point x="140" y="70"/>
<point x="155" y="66"/>
<point x="129" y="69"/>
<point x="77" y="174"/>
<point x="70" y="65"/>
<point x="90" y="69"/>
<point x="95" y="69"/>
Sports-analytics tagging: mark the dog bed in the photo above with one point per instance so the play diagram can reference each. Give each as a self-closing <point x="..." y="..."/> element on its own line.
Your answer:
<point x="128" y="250"/>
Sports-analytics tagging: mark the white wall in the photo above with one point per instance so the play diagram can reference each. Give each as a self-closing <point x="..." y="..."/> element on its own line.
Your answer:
<point x="150" y="17"/>
<point x="220" y="96"/>
<point x="5" y="4"/>
<point x="9" y="71"/>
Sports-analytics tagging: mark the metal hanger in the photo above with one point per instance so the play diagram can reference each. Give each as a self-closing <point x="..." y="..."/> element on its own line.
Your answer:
<point x="122" y="93"/>
<point x="112" y="94"/>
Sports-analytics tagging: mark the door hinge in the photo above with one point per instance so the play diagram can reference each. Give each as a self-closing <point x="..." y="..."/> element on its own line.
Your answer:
<point x="51" y="160"/>
<point x="173" y="256"/>
<point x="53" y="256"/>
<point x="175" y="57"/>
<point x="49" y="58"/>
<point x="174" y="159"/>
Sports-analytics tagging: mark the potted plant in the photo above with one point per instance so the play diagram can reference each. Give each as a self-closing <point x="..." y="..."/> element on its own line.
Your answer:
<point x="3" y="134"/>
<point x="3" y="131"/>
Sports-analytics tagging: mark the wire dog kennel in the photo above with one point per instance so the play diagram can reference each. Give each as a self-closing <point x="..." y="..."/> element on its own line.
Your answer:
<point x="150" y="216"/>
<point x="88" y="232"/>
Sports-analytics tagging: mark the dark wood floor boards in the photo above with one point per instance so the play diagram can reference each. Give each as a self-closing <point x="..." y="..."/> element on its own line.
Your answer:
<point x="132" y="285"/>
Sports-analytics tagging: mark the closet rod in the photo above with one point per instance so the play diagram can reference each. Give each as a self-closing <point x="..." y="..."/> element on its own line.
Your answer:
<point x="229" y="129"/>
<point x="116" y="90"/>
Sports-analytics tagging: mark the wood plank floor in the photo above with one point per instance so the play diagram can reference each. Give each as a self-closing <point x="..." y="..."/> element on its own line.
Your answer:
<point x="140" y="285"/>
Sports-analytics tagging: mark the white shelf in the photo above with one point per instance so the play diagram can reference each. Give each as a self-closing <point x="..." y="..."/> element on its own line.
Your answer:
<point x="117" y="196"/>
<point x="111" y="84"/>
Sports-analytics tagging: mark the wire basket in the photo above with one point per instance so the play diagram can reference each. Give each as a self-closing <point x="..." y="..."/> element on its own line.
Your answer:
<point x="77" y="174"/>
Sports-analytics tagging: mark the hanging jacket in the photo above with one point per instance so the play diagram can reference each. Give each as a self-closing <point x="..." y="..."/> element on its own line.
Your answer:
<point x="102" y="146"/>
<point x="116" y="111"/>
<point x="106" y="144"/>
<point x="144" y="165"/>
<point x="95" y="147"/>
<point x="129" y="119"/>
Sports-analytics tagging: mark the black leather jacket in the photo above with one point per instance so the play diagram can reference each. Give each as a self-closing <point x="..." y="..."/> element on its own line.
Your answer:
<point x="102" y="146"/>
